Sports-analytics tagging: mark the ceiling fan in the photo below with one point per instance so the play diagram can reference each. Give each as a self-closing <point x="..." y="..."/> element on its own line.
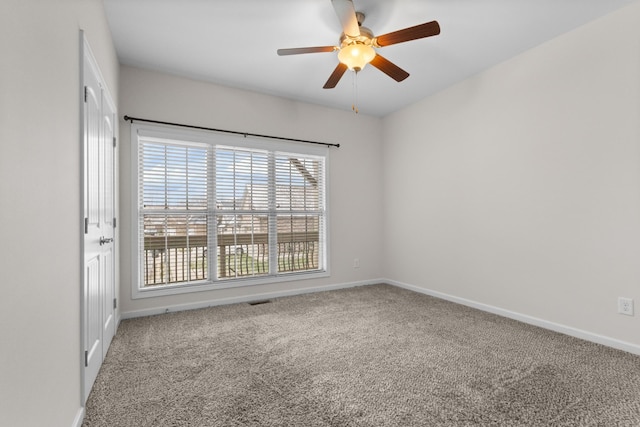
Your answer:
<point x="358" y="44"/>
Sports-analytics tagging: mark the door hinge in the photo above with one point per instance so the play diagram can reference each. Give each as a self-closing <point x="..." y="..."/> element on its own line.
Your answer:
<point x="86" y="225"/>
<point x="85" y="94"/>
<point x="114" y="142"/>
<point x="115" y="303"/>
<point x="86" y="358"/>
<point x="114" y="222"/>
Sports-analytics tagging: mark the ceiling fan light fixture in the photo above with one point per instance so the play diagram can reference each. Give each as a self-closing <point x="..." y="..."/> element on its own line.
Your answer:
<point x="356" y="55"/>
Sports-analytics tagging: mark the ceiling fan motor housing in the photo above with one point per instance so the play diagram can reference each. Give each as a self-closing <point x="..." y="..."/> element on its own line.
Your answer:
<point x="365" y="37"/>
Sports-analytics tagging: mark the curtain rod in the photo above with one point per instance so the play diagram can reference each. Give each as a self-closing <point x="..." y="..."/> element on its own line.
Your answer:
<point x="245" y="134"/>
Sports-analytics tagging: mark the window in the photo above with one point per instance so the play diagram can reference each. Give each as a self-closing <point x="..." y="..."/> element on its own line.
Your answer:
<point x="215" y="210"/>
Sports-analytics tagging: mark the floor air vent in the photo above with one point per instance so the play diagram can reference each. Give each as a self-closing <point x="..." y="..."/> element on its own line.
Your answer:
<point x="264" y="301"/>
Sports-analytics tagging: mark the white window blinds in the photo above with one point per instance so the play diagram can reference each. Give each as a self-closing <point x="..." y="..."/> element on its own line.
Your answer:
<point x="173" y="203"/>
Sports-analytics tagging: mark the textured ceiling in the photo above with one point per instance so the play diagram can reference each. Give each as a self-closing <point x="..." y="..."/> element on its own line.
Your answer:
<point x="234" y="42"/>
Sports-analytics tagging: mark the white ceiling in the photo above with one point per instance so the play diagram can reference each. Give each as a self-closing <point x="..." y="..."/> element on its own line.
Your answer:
<point x="234" y="42"/>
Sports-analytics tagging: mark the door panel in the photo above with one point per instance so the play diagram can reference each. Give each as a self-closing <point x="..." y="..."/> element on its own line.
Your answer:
<point x="108" y="202"/>
<point x="108" y="311"/>
<point x="94" y="280"/>
<point x="93" y="104"/>
<point x="93" y="333"/>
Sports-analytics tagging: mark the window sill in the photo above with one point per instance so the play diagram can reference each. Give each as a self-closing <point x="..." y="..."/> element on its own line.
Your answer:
<point x="167" y="290"/>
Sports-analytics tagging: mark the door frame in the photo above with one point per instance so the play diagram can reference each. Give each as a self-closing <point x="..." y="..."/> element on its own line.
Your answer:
<point x="84" y="53"/>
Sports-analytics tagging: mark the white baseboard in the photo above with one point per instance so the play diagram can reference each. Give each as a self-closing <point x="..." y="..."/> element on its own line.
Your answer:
<point x="556" y="327"/>
<point x="77" y="422"/>
<point x="242" y="299"/>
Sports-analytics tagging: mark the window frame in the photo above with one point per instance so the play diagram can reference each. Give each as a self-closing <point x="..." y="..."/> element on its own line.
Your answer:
<point x="212" y="138"/>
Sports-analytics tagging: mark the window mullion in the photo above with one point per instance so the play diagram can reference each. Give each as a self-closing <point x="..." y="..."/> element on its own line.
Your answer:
<point x="273" y="219"/>
<point x="212" y="216"/>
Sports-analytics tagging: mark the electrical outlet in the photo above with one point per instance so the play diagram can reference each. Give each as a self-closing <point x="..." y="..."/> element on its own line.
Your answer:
<point x="625" y="306"/>
<point x="356" y="263"/>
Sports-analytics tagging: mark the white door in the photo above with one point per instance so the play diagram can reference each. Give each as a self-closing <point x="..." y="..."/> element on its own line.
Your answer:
<point x="99" y="218"/>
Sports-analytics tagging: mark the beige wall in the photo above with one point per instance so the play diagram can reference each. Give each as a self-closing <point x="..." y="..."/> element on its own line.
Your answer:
<point x="40" y="220"/>
<point x="519" y="188"/>
<point x="355" y="180"/>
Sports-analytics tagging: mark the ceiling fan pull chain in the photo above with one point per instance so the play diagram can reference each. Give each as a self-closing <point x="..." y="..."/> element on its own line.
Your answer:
<point x="354" y="85"/>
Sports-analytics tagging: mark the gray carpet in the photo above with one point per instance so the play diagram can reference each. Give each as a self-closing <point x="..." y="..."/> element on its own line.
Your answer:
<point x="368" y="356"/>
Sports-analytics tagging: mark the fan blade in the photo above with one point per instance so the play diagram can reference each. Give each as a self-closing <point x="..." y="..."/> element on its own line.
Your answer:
<point x="299" y="50"/>
<point x="335" y="76"/>
<point x="347" y="15"/>
<point x="427" y="29"/>
<point x="389" y="68"/>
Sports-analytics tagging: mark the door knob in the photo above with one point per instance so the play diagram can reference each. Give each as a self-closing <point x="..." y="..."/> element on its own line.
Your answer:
<point x="105" y="240"/>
